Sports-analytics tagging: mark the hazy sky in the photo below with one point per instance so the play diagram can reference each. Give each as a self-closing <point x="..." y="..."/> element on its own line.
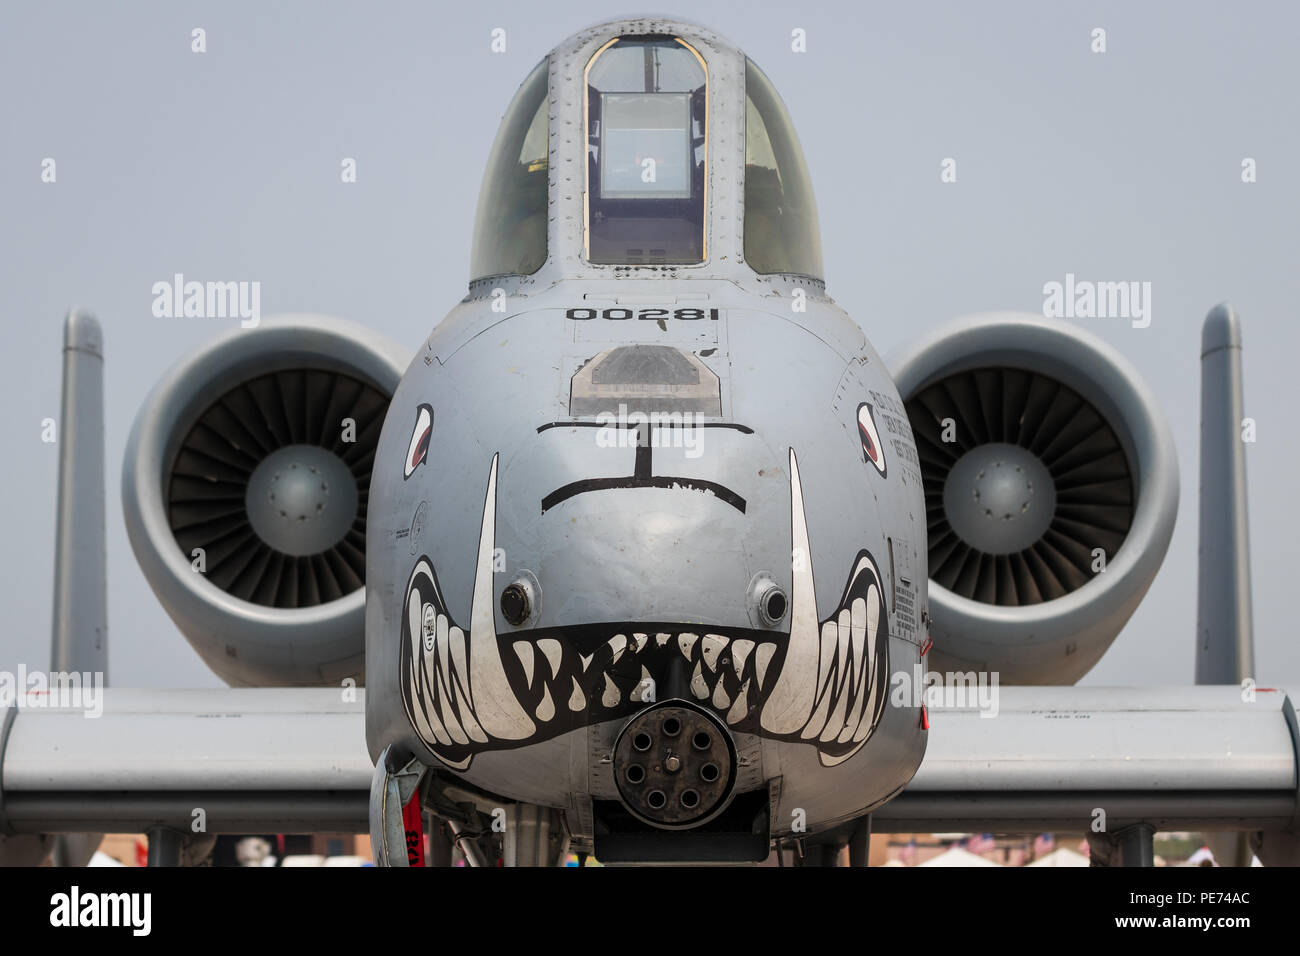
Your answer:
<point x="225" y="165"/>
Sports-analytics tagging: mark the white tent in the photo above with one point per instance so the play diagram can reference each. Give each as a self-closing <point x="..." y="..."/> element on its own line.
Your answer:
<point x="958" y="856"/>
<point x="1061" y="856"/>
<point x="1202" y="857"/>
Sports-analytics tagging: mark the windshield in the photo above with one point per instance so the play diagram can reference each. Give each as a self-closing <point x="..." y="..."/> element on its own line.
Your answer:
<point x="781" y="230"/>
<point x="510" y="226"/>
<point x="647" y="118"/>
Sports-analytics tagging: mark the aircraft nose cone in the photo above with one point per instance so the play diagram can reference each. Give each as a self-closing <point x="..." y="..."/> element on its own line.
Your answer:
<point x="999" y="498"/>
<point x="301" y="499"/>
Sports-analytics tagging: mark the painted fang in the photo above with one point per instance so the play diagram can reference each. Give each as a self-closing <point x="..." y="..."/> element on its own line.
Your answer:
<point x="454" y="686"/>
<point x="417" y="450"/>
<point x="831" y="685"/>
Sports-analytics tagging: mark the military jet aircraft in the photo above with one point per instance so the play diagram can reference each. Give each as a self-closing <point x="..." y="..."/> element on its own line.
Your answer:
<point x="651" y="552"/>
<point x="649" y="528"/>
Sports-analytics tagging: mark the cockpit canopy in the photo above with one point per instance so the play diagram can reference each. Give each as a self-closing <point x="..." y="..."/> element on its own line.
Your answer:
<point x="510" y="226"/>
<point x="781" y="230"/>
<point x="646" y="201"/>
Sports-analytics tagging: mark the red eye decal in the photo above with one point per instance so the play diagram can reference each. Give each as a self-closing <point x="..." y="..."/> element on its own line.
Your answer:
<point x="872" y="450"/>
<point x="417" y="450"/>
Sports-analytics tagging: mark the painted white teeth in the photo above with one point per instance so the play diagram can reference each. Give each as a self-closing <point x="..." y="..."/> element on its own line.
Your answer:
<point x="857" y="626"/>
<point x="428" y="719"/>
<point x="844" y="640"/>
<point x="712" y="646"/>
<point x="836" y="722"/>
<point x="546" y="709"/>
<point x="741" y="707"/>
<point x="577" y="701"/>
<point x="698" y="687"/>
<point x="611" y="697"/>
<point x="830" y="638"/>
<point x="720" y="699"/>
<point x="761" y="659"/>
<point x="874" y="683"/>
<point x="446" y="682"/>
<point x="467" y="718"/>
<point x="438" y="659"/>
<point x="453" y="726"/>
<point x="858" y="636"/>
<point x="873" y="614"/>
<point x="440" y="732"/>
<point x="524" y="651"/>
<point x="818" y="719"/>
<point x="861" y="672"/>
<point x="861" y="675"/>
<point x="551" y="648"/>
<point x="826" y="690"/>
<point x="445" y="686"/>
<point x="455" y="644"/>
<point x="863" y="727"/>
<point x="645" y="690"/>
<point x="414" y="620"/>
<point x="617" y="645"/>
<point x="739" y="654"/>
<point x="853" y="719"/>
<point x="423" y="714"/>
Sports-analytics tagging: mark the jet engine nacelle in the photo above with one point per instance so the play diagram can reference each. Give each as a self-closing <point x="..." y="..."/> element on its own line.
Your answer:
<point x="244" y="487"/>
<point x="1051" y="488"/>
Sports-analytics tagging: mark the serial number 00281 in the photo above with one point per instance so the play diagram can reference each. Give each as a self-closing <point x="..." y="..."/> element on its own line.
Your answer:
<point x="650" y="314"/>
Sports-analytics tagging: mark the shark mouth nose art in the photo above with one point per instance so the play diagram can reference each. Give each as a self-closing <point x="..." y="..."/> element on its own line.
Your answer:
<point x="471" y="691"/>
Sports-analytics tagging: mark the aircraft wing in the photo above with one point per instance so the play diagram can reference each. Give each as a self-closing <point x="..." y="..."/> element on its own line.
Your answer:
<point x="276" y="760"/>
<point x="1180" y="758"/>
<point x="295" y="760"/>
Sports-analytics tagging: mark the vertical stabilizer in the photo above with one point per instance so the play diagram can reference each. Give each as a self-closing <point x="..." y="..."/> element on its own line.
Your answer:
<point x="1225" y="651"/>
<point x="80" y="641"/>
<point x="80" y="622"/>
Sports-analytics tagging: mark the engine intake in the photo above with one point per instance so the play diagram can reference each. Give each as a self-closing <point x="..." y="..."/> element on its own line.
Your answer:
<point x="1051" y="488"/>
<point x="244" y="487"/>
